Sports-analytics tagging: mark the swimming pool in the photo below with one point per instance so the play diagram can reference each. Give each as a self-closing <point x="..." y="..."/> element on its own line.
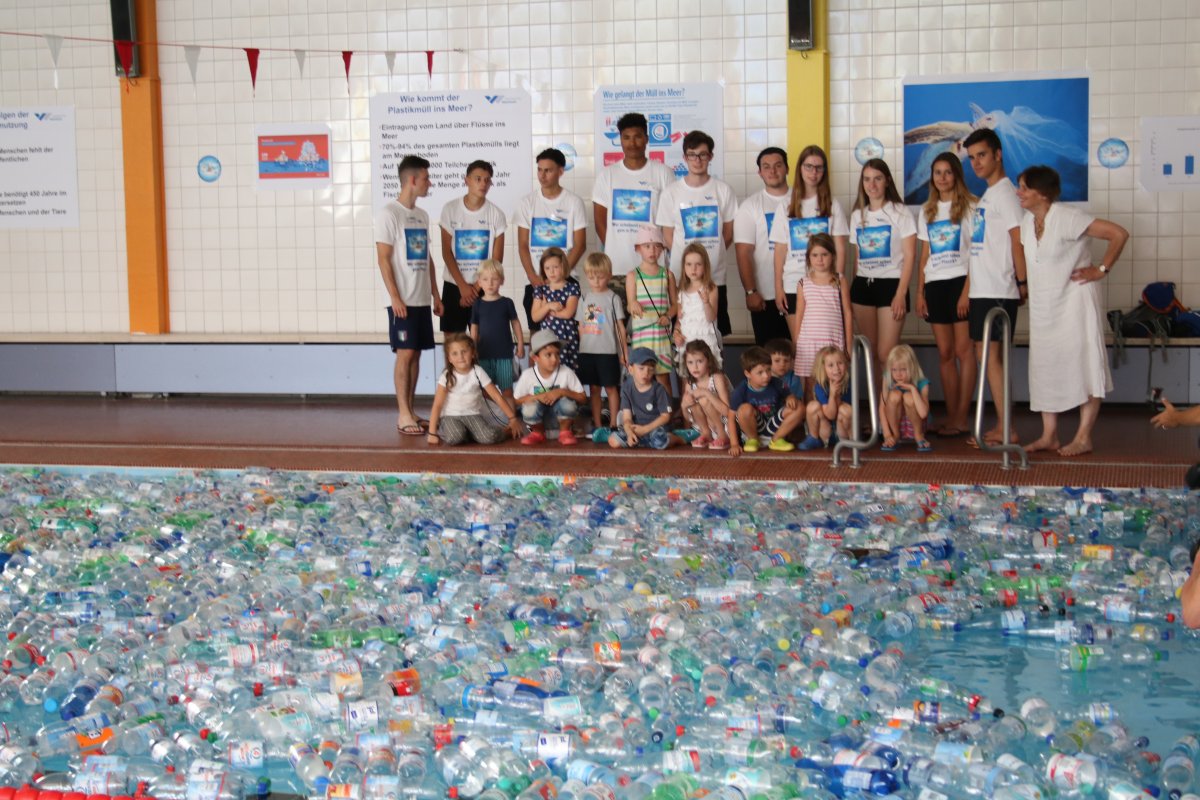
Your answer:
<point x="592" y="610"/>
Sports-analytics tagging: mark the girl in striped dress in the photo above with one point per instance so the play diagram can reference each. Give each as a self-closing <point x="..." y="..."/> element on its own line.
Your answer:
<point x="650" y="295"/>
<point x="823" y="316"/>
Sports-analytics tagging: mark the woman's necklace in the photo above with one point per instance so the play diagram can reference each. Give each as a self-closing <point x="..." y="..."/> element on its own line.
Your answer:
<point x="1039" y="225"/>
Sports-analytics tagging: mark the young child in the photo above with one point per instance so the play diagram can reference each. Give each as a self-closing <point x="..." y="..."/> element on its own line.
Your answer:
<point x="823" y="317"/>
<point x="905" y="398"/>
<point x="555" y="303"/>
<point x="645" y="407"/>
<point x="602" y="348"/>
<point x="472" y="232"/>
<point x="495" y="326"/>
<point x="650" y="298"/>
<point x="782" y="352"/>
<point x="460" y="413"/>
<point x="830" y="405"/>
<point x="548" y="391"/>
<point x="697" y="302"/>
<point x="705" y="401"/>
<point x="763" y="405"/>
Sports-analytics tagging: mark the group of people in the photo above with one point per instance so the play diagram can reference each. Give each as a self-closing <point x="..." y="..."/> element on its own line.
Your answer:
<point x="654" y="302"/>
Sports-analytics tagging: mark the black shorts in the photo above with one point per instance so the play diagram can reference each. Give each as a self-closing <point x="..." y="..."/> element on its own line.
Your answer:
<point x="876" y="292"/>
<point x="527" y="304"/>
<point x="455" y="318"/>
<point x="980" y="306"/>
<point x="942" y="299"/>
<point x="790" y="297"/>
<point x="723" y="323"/>
<point x="769" y="324"/>
<point x="599" y="369"/>
<point x="414" y="332"/>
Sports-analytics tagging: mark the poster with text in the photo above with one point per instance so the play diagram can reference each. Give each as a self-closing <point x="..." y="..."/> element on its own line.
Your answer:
<point x="1170" y="148"/>
<point x="451" y="129"/>
<point x="292" y="156"/>
<point x="1040" y="119"/>
<point x="671" y="110"/>
<point x="39" y="184"/>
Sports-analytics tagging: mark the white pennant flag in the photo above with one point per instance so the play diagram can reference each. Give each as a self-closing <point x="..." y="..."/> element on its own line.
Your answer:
<point x="54" y="43"/>
<point x="300" y="56"/>
<point x="390" y="57"/>
<point x="191" y="52"/>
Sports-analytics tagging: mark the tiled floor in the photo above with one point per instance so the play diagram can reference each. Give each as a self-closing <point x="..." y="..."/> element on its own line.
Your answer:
<point x="359" y="434"/>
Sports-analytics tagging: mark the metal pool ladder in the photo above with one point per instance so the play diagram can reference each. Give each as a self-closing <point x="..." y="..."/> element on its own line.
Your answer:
<point x="860" y="343"/>
<point x="1006" y="447"/>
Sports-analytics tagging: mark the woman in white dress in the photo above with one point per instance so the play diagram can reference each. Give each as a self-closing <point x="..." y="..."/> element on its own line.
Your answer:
<point x="1068" y="363"/>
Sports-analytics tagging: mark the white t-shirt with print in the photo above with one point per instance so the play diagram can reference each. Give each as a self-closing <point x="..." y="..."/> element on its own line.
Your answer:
<point x="631" y="198"/>
<point x="949" y="242"/>
<point x="879" y="236"/>
<point x="532" y="381"/>
<point x="551" y="223"/>
<point x="407" y="231"/>
<point x="998" y="213"/>
<point x="752" y="225"/>
<point x="472" y="234"/>
<point x="794" y="232"/>
<point x="698" y="214"/>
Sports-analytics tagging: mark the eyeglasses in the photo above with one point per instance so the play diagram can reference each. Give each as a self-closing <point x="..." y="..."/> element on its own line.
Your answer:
<point x="697" y="156"/>
<point x="813" y="167"/>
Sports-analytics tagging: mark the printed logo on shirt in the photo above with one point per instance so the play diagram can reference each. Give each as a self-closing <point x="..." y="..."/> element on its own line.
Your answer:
<point x="593" y="321"/>
<point x="875" y="242"/>
<point x="472" y="245"/>
<point x="978" y="226"/>
<point x="770" y="215"/>
<point x="944" y="236"/>
<point x="548" y="232"/>
<point x="416" y="247"/>
<point x="631" y="205"/>
<point x="700" y="222"/>
<point x="799" y="231"/>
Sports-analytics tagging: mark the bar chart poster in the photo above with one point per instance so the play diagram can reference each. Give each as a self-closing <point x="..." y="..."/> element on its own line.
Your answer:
<point x="1170" y="152"/>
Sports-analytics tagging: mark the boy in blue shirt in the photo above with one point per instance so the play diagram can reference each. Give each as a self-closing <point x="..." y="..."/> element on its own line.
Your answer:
<point x="764" y="406"/>
<point x="645" y="407"/>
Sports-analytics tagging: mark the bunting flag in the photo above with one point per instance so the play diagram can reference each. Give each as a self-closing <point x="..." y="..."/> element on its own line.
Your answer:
<point x="252" y="60"/>
<point x="300" y="56"/>
<point x="125" y="53"/>
<point x="54" y="44"/>
<point x="191" y="52"/>
<point x="390" y="58"/>
<point x="429" y="63"/>
<point x="346" y="56"/>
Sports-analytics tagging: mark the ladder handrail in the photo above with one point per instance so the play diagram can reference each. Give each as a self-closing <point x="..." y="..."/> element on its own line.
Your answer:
<point x="1005" y="447"/>
<point x="858" y="445"/>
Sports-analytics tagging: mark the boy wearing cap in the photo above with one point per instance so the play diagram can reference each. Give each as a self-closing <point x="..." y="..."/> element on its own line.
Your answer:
<point x="650" y="297"/>
<point x="548" y="392"/>
<point x="645" y="407"/>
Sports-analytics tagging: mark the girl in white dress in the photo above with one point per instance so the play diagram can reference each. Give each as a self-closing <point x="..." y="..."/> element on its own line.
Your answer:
<point x="697" y="302"/>
<point x="1068" y="363"/>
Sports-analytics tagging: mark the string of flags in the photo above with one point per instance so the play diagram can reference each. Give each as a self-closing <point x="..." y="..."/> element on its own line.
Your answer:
<point x="126" y="50"/>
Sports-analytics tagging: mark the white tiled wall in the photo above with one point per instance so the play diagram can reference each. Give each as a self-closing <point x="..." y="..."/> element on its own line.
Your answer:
<point x="69" y="281"/>
<point x="1143" y="59"/>
<point x="246" y="262"/>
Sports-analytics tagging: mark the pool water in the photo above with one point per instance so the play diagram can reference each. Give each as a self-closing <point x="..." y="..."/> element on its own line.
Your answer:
<point x="592" y="609"/>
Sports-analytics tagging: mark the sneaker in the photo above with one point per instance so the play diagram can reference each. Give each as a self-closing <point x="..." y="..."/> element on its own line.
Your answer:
<point x="701" y="442"/>
<point x="718" y="444"/>
<point x="781" y="446"/>
<point x="567" y="438"/>
<point x="600" y="435"/>
<point x="751" y="446"/>
<point x="812" y="443"/>
<point x="533" y="437"/>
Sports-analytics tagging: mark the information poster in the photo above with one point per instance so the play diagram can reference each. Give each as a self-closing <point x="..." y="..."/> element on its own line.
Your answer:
<point x="452" y="129"/>
<point x="1170" y="150"/>
<point x="39" y="184"/>
<point x="293" y="156"/>
<point x="671" y="110"/>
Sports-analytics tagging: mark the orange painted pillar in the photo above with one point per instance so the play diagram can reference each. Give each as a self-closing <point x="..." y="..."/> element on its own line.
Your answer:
<point x="145" y="204"/>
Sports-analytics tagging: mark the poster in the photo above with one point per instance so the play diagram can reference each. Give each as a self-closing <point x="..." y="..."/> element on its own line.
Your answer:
<point x="1169" y="151"/>
<point x="1040" y="120"/>
<point x="452" y="129"/>
<point x="671" y="110"/>
<point x="292" y="156"/>
<point x="39" y="183"/>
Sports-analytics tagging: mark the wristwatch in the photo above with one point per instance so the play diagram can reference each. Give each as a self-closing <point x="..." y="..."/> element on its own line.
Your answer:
<point x="751" y="291"/>
<point x="1103" y="269"/>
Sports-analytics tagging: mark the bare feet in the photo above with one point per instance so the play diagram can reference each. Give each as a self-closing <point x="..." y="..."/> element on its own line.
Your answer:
<point x="1076" y="448"/>
<point x="1042" y="444"/>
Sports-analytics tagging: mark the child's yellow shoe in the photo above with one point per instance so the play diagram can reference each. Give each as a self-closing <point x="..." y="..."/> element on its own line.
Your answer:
<point x="781" y="446"/>
<point x="751" y="446"/>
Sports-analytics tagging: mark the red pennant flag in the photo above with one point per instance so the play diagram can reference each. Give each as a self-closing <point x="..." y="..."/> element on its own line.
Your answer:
<point x="125" y="53"/>
<point x="252" y="60"/>
<point x="346" y="56"/>
<point x="429" y="62"/>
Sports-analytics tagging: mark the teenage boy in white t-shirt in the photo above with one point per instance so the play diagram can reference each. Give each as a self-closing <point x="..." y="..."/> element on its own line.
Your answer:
<point x="625" y="196"/>
<point x="550" y="216"/>
<point x="472" y="232"/>
<point x="997" y="268"/>
<point x="700" y="208"/>
<point x="402" y="252"/>
<point x="754" y="250"/>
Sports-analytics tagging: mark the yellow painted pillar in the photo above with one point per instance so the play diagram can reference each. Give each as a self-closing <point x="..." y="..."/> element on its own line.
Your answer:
<point x="145" y="205"/>
<point x="808" y="87"/>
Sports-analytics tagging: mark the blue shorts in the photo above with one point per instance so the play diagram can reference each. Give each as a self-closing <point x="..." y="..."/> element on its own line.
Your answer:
<point x="657" y="439"/>
<point x="767" y="424"/>
<point x="414" y="332"/>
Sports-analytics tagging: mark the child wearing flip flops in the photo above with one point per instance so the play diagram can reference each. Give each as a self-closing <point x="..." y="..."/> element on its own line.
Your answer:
<point x="905" y="399"/>
<point x="705" y="400"/>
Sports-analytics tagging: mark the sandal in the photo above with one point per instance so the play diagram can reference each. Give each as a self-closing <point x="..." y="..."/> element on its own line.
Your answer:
<point x="924" y="446"/>
<point x="411" y="429"/>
